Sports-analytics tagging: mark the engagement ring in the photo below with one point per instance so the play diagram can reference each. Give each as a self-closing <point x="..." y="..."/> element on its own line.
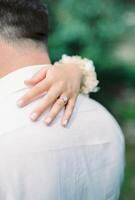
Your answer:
<point x="64" y="99"/>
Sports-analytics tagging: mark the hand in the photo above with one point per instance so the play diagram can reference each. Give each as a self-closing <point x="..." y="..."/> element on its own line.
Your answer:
<point x="56" y="81"/>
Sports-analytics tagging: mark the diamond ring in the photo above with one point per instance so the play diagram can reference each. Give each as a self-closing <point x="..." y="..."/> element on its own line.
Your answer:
<point x="64" y="99"/>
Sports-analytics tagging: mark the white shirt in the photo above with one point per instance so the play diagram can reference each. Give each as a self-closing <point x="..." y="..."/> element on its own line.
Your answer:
<point x="84" y="161"/>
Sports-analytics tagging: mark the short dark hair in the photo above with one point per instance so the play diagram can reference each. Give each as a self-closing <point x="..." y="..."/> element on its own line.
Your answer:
<point x="21" y="19"/>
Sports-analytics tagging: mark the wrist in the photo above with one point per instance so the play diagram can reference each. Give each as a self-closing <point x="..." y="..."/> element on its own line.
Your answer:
<point x="86" y="71"/>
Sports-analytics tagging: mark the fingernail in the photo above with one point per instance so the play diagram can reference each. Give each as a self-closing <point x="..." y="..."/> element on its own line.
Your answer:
<point x="20" y="103"/>
<point x="48" y="120"/>
<point x="65" y="123"/>
<point x="34" y="116"/>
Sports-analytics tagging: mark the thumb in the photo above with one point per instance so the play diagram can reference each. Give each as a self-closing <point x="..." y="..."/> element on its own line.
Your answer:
<point x="39" y="76"/>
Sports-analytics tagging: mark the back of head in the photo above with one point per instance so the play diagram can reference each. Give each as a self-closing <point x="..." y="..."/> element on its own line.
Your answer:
<point x="23" y="19"/>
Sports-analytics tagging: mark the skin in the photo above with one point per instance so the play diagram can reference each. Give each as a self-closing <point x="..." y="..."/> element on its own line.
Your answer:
<point x="55" y="79"/>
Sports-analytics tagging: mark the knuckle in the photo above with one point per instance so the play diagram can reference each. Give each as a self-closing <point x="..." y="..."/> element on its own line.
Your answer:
<point x="38" y="88"/>
<point x="53" y="113"/>
<point x="71" y="104"/>
<point x="44" y="104"/>
<point x="50" y="77"/>
<point x="60" y="103"/>
<point x="50" y="98"/>
<point x="71" y="108"/>
<point x="26" y="98"/>
<point x="42" y="107"/>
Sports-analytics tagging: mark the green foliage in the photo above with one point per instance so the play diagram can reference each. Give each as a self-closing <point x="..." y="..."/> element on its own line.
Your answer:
<point x="89" y="28"/>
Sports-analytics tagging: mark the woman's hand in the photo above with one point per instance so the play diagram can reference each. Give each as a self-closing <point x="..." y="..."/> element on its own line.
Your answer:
<point x="56" y="81"/>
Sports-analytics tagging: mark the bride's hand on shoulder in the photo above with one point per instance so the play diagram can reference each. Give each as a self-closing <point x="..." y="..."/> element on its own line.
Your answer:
<point x="58" y="80"/>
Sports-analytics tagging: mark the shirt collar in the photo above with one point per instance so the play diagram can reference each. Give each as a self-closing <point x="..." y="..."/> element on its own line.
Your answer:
<point x="14" y="81"/>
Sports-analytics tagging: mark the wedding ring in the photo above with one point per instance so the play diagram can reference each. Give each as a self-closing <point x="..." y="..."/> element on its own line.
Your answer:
<point x="64" y="99"/>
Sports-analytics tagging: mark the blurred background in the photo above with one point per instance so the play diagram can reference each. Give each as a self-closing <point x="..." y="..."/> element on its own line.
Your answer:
<point x="103" y="30"/>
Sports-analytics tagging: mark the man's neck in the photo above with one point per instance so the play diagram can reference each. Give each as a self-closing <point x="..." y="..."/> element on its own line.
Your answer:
<point x="13" y="57"/>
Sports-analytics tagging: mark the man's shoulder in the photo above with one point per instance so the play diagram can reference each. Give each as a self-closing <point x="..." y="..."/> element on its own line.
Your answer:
<point x="91" y="123"/>
<point x="94" y="112"/>
<point x="86" y="104"/>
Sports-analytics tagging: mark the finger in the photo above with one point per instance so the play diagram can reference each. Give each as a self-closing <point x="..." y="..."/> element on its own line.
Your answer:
<point x="55" y="111"/>
<point x="68" y="111"/>
<point x="39" y="76"/>
<point x="46" y="102"/>
<point x="34" y="92"/>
